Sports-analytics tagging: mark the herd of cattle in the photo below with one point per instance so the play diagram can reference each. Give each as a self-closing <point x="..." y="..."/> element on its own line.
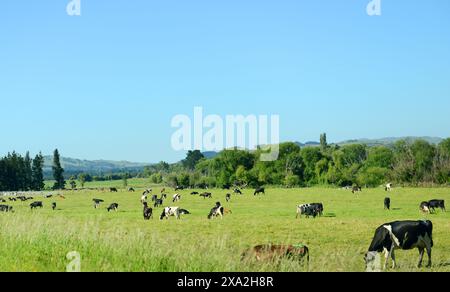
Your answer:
<point x="388" y="237"/>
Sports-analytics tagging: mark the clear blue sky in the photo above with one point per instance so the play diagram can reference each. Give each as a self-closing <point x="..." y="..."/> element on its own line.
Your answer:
<point x="106" y="85"/>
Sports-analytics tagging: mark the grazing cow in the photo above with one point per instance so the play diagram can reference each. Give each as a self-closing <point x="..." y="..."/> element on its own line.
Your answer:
<point x="206" y="195"/>
<point x="405" y="235"/>
<point x="53" y="206"/>
<point x="226" y="187"/>
<point x="148" y="212"/>
<point x="158" y="203"/>
<point x="163" y="190"/>
<point x="173" y="211"/>
<point x="307" y="210"/>
<point x="194" y="193"/>
<point x="356" y="189"/>
<point x="113" y="207"/>
<point x="48" y="196"/>
<point x="34" y="205"/>
<point x="425" y="207"/>
<point x="176" y="198"/>
<point x="388" y="187"/>
<point x="2" y="201"/>
<point x="228" y="197"/>
<point x="179" y="188"/>
<point x="12" y="199"/>
<point x="143" y="199"/>
<point x="6" y="209"/>
<point x="131" y="190"/>
<point x="22" y="198"/>
<point x="30" y="198"/>
<point x="277" y="252"/>
<point x="217" y="211"/>
<point x="113" y="190"/>
<point x="259" y="191"/>
<point x="237" y="191"/>
<point x="97" y="202"/>
<point x="387" y="204"/>
<point x="154" y="198"/>
<point x="433" y="204"/>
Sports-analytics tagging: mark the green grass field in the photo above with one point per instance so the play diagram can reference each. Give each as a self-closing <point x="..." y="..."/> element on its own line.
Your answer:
<point x="39" y="240"/>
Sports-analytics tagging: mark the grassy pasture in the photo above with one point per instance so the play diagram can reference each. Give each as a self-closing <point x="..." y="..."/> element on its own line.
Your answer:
<point x="39" y="240"/>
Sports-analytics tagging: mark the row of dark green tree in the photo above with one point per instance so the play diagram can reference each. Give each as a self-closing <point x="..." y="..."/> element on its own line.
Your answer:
<point x="19" y="173"/>
<point x="403" y="163"/>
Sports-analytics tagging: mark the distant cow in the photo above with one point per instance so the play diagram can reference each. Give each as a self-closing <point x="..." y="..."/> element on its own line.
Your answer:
<point x="259" y="191"/>
<point x="237" y="191"/>
<point x="356" y="189"/>
<point x="176" y="198"/>
<point x="143" y="199"/>
<point x="434" y="204"/>
<point x="387" y="204"/>
<point x="97" y="202"/>
<point x="194" y="193"/>
<point x="113" y="207"/>
<point x="206" y="195"/>
<point x="154" y="198"/>
<point x="217" y="211"/>
<point x="2" y="201"/>
<point x="173" y="212"/>
<point x="5" y="208"/>
<point x="131" y="190"/>
<point x="158" y="203"/>
<point x="277" y="252"/>
<point x="179" y="188"/>
<point x="35" y="205"/>
<point x="113" y="190"/>
<point x="228" y="197"/>
<point x="12" y="199"/>
<point x="405" y="235"/>
<point x="53" y="206"/>
<point x="48" y="196"/>
<point x="425" y="207"/>
<point x="148" y="212"/>
<point x="308" y="210"/>
<point x="388" y="187"/>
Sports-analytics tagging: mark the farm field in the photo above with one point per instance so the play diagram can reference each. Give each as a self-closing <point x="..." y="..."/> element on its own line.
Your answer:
<point x="39" y="240"/>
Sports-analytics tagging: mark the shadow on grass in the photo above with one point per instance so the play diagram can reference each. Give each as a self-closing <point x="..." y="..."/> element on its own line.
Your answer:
<point x="329" y="215"/>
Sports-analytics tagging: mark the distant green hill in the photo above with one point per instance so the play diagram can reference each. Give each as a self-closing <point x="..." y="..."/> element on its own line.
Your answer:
<point x="72" y="166"/>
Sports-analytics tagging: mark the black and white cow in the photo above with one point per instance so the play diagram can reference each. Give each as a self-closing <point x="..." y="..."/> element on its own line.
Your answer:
<point x="158" y="203"/>
<point x="143" y="199"/>
<point x="434" y="204"/>
<point x="388" y="187"/>
<point x="228" y="197"/>
<point x="217" y="211"/>
<point x="53" y="206"/>
<point x="405" y="235"/>
<point x="97" y="202"/>
<point x="387" y="204"/>
<point x="113" y="207"/>
<point x="237" y="191"/>
<point x="173" y="212"/>
<point x="34" y="205"/>
<point x="131" y="190"/>
<point x="308" y="210"/>
<point x="425" y="207"/>
<point x="176" y="198"/>
<point x="113" y="190"/>
<point x="148" y="212"/>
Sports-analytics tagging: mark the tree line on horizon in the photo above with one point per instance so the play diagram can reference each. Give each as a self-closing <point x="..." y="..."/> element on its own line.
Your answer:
<point x="414" y="163"/>
<point x="19" y="173"/>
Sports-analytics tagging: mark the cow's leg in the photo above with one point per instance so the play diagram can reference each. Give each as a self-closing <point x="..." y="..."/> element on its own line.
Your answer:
<point x="387" y="255"/>
<point x="394" y="263"/>
<point x="421" y="252"/>
<point x="429" y="256"/>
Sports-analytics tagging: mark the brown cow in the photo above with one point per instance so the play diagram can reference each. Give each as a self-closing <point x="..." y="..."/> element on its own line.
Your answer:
<point x="277" y="252"/>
